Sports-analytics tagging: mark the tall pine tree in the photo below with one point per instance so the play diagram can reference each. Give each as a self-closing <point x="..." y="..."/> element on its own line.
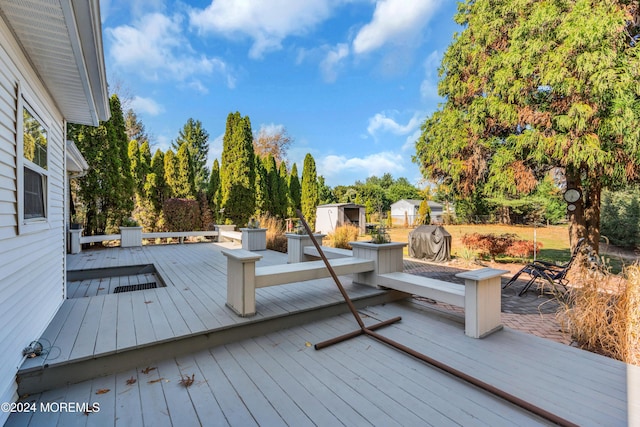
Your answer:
<point x="106" y="191"/>
<point x="309" y="200"/>
<point x="237" y="173"/>
<point x="196" y="138"/>
<point x="295" y="192"/>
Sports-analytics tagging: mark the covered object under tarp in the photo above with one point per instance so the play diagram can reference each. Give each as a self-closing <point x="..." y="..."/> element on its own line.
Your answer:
<point x="431" y="242"/>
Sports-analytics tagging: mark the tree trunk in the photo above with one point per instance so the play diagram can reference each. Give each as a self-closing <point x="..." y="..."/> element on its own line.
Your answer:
<point x="584" y="221"/>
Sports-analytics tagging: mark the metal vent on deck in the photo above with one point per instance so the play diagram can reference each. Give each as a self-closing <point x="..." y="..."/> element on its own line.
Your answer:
<point x="132" y="288"/>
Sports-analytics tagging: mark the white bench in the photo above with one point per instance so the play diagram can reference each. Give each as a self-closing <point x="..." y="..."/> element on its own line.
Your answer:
<point x="228" y="236"/>
<point x="329" y="252"/>
<point x="480" y="296"/>
<point x="243" y="277"/>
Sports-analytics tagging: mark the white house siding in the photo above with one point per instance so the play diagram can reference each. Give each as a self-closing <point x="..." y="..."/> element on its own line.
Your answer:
<point x="32" y="271"/>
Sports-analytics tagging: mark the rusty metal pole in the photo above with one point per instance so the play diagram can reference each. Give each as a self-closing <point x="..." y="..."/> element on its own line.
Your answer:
<point x="423" y="357"/>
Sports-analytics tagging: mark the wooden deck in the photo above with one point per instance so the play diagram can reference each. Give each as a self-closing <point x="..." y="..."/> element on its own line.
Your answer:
<point x="265" y="371"/>
<point x="96" y="335"/>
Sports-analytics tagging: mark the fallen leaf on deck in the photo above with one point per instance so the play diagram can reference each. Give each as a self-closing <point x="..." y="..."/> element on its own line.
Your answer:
<point x="131" y="380"/>
<point x="155" y="381"/>
<point x="103" y="391"/>
<point x="308" y="344"/>
<point x="148" y="302"/>
<point x="187" y="381"/>
<point x="147" y="370"/>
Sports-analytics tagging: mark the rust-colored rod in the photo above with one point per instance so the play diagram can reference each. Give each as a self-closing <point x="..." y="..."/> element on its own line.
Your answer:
<point x="352" y="307"/>
<point x="336" y="340"/>
<point x="475" y="381"/>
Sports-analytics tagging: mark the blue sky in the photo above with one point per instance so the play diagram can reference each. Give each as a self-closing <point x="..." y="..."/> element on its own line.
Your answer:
<point x="350" y="80"/>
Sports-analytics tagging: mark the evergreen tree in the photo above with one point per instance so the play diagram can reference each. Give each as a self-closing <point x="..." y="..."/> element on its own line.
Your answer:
<point x="262" y="188"/>
<point x="156" y="189"/>
<point x="145" y="158"/>
<point x="273" y="185"/>
<point x="295" y="192"/>
<point x="237" y="173"/>
<point x="325" y="195"/>
<point x="531" y="86"/>
<point x="309" y="200"/>
<point x="196" y="139"/>
<point x="106" y="191"/>
<point x="185" y="184"/>
<point x="213" y="191"/>
<point x="135" y="128"/>
<point x="171" y="173"/>
<point x="283" y="190"/>
<point x="134" y="165"/>
<point x="424" y="213"/>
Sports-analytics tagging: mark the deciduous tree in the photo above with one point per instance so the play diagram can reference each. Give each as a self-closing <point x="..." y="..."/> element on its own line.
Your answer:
<point x="534" y="85"/>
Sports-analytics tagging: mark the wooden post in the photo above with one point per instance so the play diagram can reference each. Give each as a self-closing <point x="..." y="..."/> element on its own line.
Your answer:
<point x="241" y="281"/>
<point x="482" y="301"/>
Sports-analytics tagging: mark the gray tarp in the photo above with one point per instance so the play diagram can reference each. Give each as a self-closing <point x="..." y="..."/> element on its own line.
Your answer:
<point x="430" y="242"/>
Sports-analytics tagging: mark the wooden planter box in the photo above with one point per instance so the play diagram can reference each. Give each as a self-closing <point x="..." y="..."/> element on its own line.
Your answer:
<point x="296" y="244"/>
<point x="75" y="247"/>
<point x="254" y="239"/>
<point x="130" y="237"/>
<point x="387" y="257"/>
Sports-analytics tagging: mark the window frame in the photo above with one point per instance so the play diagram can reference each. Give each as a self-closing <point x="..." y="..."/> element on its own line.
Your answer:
<point x="31" y="225"/>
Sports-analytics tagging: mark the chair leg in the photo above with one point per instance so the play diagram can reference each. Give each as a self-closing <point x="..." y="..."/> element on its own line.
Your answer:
<point x="513" y="279"/>
<point x="527" y="286"/>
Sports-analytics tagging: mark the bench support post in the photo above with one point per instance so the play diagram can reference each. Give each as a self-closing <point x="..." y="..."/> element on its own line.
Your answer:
<point x="482" y="301"/>
<point x="296" y="244"/>
<point x="241" y="281"/>
<point x="387" y="258"/>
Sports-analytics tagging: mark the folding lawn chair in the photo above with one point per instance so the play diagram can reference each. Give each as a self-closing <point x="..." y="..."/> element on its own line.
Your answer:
<point x="552" y="273"/>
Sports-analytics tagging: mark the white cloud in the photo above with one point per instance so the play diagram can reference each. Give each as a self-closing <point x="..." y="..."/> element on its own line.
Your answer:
<point x="382" y="122"/>
<point x="394" y="21"/>
<point x="155" y="47"/>
<point x="330" y="64"/>
<point x="267" y="22"/>
<point x="410" y="143"/>
<point x="146" y="105"/>
<point x="271" y="129"/>
<point x="429" y="86"/>
<point x="375" y="164"/>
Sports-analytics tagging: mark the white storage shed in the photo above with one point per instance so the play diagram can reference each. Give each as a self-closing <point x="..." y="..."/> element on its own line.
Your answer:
<point x="333" y="215"/>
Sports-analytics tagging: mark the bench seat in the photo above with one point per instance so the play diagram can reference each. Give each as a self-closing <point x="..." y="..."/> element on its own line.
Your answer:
<point x="299" y="272"/>
<point x="439" y="290"/>
<point x="330" y="253"/>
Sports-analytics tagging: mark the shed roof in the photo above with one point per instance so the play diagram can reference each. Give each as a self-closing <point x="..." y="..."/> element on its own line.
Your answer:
<point x="341" y="205"/>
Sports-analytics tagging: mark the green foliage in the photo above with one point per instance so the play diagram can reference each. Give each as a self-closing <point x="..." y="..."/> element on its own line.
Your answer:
<point x="213" y="190"/>
<point x="184" y="186"/>
<point x="155" y="188"/>
<point x="263" y="203"/>
<point x="283" y="190"/>
<point x="621" y="216"/>
<point x="182" y="215"/>
<point x="196" y="139"/>
<point x="325" y="195"/>
<point x="171" y="172"/>
<point x="424" y="213"/>
<point x="106" y="192"/>
<point x="295" y="192"/>
<point x="342" y="235"/>
<point x="309" y="199"/>
<point x="237" y="172"/>
<point x="134" y="128"/>
<point x="531" y="86"/>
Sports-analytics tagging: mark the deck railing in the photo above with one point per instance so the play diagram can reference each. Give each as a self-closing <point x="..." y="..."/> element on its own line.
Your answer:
<point x="132" y="236"/>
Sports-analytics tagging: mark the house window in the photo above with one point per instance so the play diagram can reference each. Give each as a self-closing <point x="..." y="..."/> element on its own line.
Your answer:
<point x="34" y="167"/>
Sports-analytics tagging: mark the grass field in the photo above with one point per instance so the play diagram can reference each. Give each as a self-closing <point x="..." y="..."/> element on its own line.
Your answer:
<point x="554" y="239"/>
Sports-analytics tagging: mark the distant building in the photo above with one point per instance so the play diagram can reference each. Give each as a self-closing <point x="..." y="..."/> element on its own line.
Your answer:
<point x="330" y="216"/>
<point x="410" y="208"/>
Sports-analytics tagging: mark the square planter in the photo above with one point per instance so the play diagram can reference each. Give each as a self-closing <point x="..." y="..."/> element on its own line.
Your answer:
<point x="130" y="237"/>
<point x="388" y="258"/>
<point x="254" y="239"/>
<point x="75" y="247"/>
<point x="296" y="244"/>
